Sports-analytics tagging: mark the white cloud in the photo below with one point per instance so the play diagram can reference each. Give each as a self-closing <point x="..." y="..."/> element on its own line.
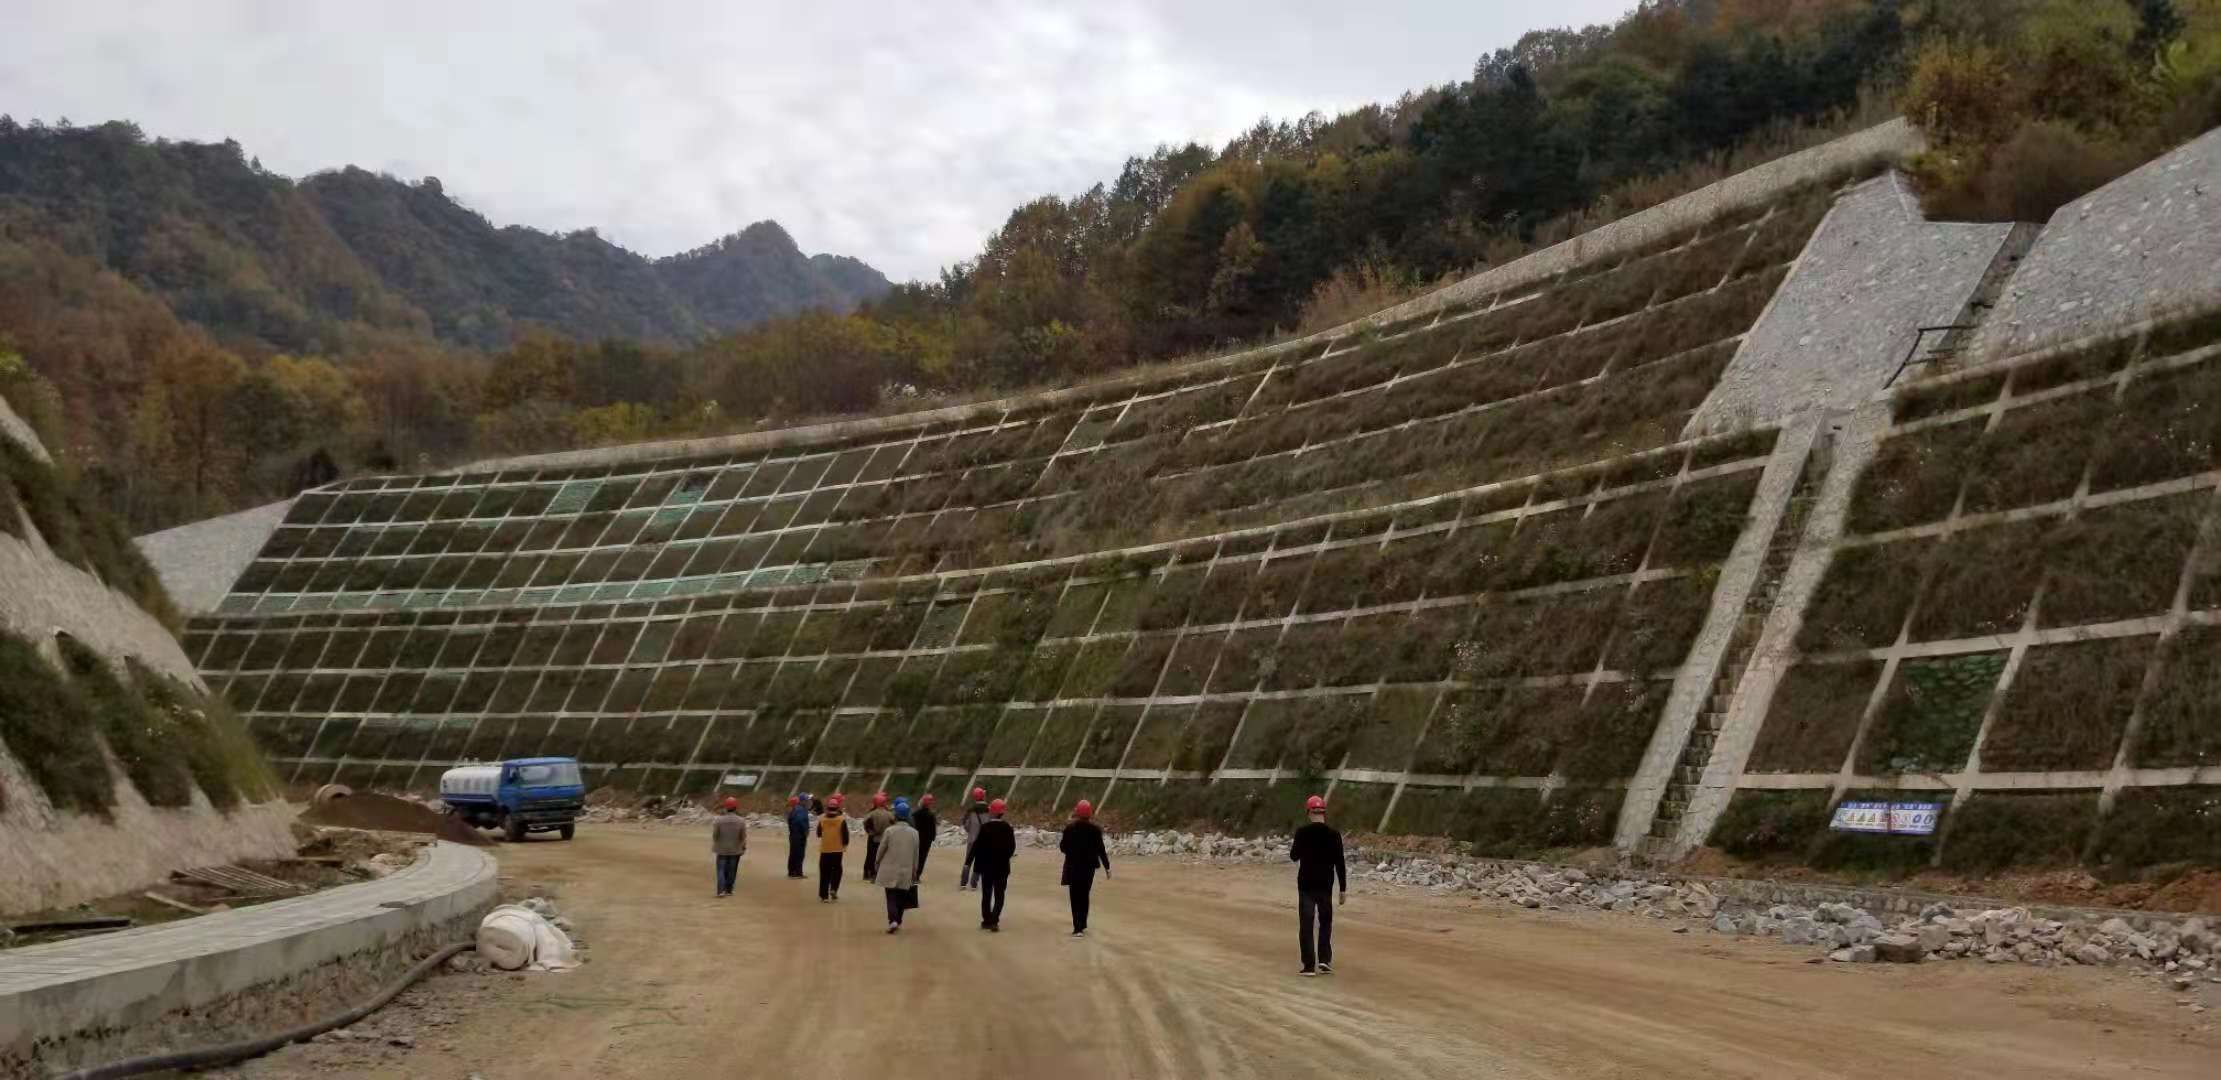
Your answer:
<point x="898" y="133"/>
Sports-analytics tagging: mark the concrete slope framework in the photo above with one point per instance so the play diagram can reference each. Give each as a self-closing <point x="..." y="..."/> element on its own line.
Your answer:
<point x="2006" y="600"/>
<point x="115" y="768"/>
<point x="1481" y="569"/>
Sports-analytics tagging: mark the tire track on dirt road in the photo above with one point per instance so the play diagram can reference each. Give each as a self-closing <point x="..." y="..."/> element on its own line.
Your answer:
<point x="1190" y="971"/>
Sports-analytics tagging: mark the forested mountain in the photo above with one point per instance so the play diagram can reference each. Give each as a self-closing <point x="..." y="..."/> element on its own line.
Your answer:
<point x="198" y="334"/>
<point x="310" y="266"/>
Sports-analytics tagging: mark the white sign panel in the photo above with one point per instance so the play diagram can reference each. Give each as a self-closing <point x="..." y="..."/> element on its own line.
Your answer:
<point x="739" y="779"/>
<point x="1902" y="819"/>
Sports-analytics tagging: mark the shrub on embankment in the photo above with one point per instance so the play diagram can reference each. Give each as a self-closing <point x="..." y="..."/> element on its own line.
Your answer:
<point x="167" y="737"/>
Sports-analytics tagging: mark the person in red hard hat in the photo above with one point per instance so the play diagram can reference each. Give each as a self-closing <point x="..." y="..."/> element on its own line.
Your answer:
<point x="995" y="844"/>
<point x="1317" y="853"/>
<point x="1082" y="845"/>
<point x="832" y="843"/>
<point x="974" y="817"/>
<point x="876" y="825"/>
<point x="728" y="840"/>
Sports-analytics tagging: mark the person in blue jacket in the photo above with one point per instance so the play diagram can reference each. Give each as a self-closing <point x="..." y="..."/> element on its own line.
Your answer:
<point x="798" y="832"/>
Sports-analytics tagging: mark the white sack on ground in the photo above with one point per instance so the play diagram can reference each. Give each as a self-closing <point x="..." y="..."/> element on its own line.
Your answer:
<point x="514" y="938"/>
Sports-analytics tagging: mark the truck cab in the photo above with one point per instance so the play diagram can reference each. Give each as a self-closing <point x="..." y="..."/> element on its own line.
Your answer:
<point x="525" y="795"/>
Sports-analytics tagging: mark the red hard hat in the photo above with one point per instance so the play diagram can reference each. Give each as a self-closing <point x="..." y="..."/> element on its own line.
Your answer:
<point x="879" y="799"/>
<point x="1083" y="808"/>
<point x="794" y="800"/>
<point x="996" y="807"/>
<point x="834" y="802"/>
<point x="1315" y="802"/>
<point x="978" y="793"/>
<point x="925" y="800"/>
<point x="731" y="803"/>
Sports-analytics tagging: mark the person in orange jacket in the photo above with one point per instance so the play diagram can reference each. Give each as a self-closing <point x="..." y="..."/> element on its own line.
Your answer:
<point x="832" y="843"/>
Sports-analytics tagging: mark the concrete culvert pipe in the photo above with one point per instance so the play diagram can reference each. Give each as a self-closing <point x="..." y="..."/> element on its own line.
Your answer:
<point x="329" y="792"/>
<point x="210" y="1056"/>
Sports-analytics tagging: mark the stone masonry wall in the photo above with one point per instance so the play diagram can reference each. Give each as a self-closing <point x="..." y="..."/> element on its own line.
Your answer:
<point x="1874" y="272"/>
<point x="199" y="561"/>
<point x="2142" y="245"/>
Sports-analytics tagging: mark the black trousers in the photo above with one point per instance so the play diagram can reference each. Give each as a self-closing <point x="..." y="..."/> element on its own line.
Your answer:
<point x="964" y="876"/>
<point x="925" y="848"/>
<point x="895" y="905"/>
<point x="871" y="858"/>
<point x="828" y="874"/>
<point x="1081" y="885"/>
<point x="797" y="844"/>
<point x="992" y="890"/>
<point x="1315" y="906"/>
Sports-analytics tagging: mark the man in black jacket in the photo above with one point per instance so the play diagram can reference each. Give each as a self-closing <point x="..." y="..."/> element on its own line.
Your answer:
<point x="991" y="853"/>
<point x="928" y="825"/>
<point x="1082" y="845"/>
<point x="1317" y="853"/>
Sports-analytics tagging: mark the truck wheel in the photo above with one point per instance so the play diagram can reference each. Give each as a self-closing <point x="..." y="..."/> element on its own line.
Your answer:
<point x="512" y="828"/>
<point x="567" y="831"/>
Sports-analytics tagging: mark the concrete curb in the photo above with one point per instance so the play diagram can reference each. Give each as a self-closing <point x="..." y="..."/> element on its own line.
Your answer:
<point x="73" y="989"/>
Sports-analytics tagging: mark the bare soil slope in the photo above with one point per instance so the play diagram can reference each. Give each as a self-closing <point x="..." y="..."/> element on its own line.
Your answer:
<point x="1190" y="971"/>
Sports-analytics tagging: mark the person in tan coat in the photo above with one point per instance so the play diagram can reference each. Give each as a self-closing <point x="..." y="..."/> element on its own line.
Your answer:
<point x="898" y="864"/>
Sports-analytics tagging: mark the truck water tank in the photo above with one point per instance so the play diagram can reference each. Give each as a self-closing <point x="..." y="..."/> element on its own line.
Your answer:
<point x="481" y="781"/>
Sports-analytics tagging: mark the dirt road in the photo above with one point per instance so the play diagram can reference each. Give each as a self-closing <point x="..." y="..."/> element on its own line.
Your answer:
<point x="1190" y="971"/>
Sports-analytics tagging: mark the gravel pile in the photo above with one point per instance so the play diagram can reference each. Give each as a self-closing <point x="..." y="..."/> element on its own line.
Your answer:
<point x="2187" y="948"/>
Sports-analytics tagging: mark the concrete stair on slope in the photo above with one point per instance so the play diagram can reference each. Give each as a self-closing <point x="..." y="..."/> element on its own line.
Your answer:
<point x="1696" y="753"/>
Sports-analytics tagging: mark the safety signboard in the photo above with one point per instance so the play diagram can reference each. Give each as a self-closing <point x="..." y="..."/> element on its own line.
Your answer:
<point x="1899" y="818"/>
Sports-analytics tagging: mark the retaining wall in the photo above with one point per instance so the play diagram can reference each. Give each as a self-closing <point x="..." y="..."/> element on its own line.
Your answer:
<point x="199" y="561"/>
<point x="1465" y="569"/>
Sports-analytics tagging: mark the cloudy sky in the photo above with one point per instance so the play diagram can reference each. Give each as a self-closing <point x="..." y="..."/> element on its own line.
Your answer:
<point x="898" y="133"/>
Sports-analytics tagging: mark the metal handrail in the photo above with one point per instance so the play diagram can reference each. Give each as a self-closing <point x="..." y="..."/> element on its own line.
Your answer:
<point x="1920" y="335"/>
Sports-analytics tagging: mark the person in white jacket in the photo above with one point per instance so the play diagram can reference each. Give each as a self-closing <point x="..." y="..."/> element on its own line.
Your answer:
<point x="898" y="865"/>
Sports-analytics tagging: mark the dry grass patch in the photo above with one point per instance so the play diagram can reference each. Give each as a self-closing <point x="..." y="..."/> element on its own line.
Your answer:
<point x="1994" y="830"/>
<point x="1660" y="622"/>
<point x="1772" y="826"/>
<point x="2067" y="706"/>
<point x="1914" y="478"/>
<point x="2169" y="425"/>
<point x="2121" y="561"/>
<point x="2179" y="727"/>
<point x="2156" y="826"/>
<point x="1813" y="717"/>
<point x="1984" y="581"/>
<point x="1862" y="601"/>
<point x="2036" y="453"/>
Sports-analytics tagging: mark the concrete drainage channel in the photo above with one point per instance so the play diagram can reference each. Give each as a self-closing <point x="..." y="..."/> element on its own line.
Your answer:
<point x="233" y="975"/>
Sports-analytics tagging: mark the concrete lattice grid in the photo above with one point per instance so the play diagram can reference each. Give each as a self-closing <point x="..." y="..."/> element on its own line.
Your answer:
<point x="2020" y="614"/>
<point x="923" y="607"/>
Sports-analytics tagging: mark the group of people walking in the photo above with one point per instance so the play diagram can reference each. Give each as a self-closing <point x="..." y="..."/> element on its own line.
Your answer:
<point x="898" y="840"/>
